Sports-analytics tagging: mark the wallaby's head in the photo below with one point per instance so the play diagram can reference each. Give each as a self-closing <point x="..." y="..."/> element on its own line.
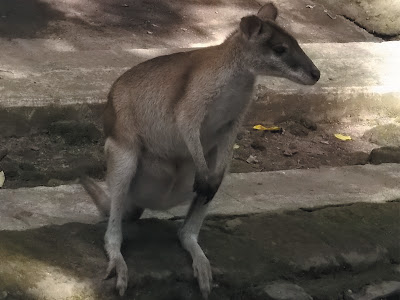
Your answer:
<point x="270" y="50"/>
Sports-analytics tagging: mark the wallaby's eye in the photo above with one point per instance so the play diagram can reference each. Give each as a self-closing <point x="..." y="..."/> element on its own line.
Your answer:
<point x="280" y="50"/>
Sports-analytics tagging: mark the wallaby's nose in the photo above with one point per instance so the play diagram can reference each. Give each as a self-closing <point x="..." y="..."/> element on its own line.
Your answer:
<point x="315" y="74"/>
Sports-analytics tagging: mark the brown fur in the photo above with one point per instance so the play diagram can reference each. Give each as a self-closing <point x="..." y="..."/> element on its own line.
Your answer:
<point x="171" y="122"/>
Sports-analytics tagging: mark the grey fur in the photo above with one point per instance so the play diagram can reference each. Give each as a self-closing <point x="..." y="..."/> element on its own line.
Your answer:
<point x="171" y="123"/>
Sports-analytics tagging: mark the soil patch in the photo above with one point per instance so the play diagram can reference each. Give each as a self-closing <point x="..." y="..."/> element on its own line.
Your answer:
<point x="69" y="149"/>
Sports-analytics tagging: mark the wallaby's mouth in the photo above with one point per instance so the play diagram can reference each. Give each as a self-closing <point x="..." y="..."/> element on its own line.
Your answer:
<point x="307" y="78"/>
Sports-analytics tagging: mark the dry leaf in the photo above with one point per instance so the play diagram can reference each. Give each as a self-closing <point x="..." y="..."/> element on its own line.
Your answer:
<point x="342" y="137"/>
<point x="262" y="128"/>
<point x="2" y="178"/>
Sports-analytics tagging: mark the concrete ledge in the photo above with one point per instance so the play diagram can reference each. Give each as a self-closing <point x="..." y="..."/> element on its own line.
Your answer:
<point x="240" y="194"/>
<point x="359" y="80"/>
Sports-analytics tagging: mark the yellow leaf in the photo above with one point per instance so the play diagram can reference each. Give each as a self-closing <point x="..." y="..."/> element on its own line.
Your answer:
<point x="273" y="128"/>
<point x="236" y="146"/>
<point x="2" y="178"/>
<point x="342" y="137"/>
<point x="260" y="127"/>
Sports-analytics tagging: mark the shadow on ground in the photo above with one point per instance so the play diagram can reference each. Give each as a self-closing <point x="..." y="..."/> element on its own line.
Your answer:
<point x="107" y="24"/>
<point x="326" y="251"/>
<point x="73" y="19"/>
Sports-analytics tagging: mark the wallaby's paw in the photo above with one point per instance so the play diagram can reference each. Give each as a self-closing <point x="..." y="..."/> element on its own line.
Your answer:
<point x="117" y="266"/>
<point x="202" y="271"/>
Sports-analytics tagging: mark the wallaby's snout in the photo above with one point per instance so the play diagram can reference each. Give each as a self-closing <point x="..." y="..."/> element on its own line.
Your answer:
<point x="315" y="74"/>
<point x="273" y="51"/>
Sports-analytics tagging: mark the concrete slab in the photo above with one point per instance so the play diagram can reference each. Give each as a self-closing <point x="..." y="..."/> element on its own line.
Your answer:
<point x="240" y="194"/>
<point x="101" y="24"/>
<point x="78" y="81"/>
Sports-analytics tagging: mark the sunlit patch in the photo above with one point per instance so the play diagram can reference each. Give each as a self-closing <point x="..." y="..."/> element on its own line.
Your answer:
<point x="59" y="45"/>
<point x="389" y="70"/>
<point x="56" y="285"/>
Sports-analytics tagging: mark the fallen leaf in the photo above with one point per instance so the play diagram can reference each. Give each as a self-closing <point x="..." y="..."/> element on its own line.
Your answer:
<point x="236" y="146"/>
<point x="342" y="137"/>
<point x="2" y="178"/>
<point x="259" y="127"/>
<point x="324" y="142"/>
<point x="262" y="128"/>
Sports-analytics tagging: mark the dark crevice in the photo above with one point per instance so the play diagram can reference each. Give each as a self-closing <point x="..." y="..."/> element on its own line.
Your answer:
<point x="383" y="36"/>
<point x="312" y="209"/>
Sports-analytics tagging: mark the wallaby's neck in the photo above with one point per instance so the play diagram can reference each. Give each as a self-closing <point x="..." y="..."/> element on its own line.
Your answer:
<point x="230" y="58"/>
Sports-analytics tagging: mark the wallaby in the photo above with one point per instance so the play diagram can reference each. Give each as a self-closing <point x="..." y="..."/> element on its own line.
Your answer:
<point x="171" y="123"/>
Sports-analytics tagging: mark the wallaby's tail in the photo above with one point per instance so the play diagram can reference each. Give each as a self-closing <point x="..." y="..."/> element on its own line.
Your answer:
<point x="99" y="195"/>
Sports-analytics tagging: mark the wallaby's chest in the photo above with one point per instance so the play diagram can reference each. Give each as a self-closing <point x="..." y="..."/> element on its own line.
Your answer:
<point x="229" y="104"/>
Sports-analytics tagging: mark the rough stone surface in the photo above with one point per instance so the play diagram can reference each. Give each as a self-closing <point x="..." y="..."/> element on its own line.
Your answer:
<point x="383" y="290"/>
<point x="68" y="262"/>
<point x="385" y="155"/>
<point x="384" y="135"/>
<point x="75" y="82"/>
<point x="241" y="193"/>
<point x="286" y="291"/>
<point x="376" y="16"/>
<point x="99" y="24"/>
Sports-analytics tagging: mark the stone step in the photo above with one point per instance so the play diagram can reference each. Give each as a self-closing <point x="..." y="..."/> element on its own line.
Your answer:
<point x="358" y="81"/>
<point x="240" y="194"/>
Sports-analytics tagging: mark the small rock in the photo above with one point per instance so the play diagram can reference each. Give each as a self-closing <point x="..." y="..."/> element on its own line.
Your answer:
<point x="125" y="5"/>
<point x="258" y="145"/>
<point x="309" y="124"/>
<point x="240" y="135"/>
<point x="286" y="291"/>
<point x="252" y="159"/>
<point x="385" y="155"/>
<point x="290" y="152"/>
<point x="324" y="142"/>
<point x="384" y="135"/>
<point x="34" y="148"/>
<point x="298" y="130"/>
<point x="149" y="32"/>
<point x="377" y="291"/>
<point x="184" y="29"/>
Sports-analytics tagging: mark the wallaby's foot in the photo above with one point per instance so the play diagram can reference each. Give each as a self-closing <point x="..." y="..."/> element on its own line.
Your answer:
<point x="118" y="267"/>
<point x="202" y="271"/>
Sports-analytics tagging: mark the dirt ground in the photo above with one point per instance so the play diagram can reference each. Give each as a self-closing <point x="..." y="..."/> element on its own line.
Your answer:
<point x="68" y="149"/>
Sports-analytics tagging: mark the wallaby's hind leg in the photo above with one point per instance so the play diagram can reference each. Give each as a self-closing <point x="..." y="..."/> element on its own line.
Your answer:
<point x="121" y="168"/>
<point x="188" y="235"/>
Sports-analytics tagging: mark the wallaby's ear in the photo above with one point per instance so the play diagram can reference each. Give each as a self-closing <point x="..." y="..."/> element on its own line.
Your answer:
<point x="268" y="12"/>
<point x="250" y="26"/>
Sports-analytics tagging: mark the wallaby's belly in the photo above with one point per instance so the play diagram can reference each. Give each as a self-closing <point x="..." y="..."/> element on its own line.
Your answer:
<point x="160" y="184"/>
